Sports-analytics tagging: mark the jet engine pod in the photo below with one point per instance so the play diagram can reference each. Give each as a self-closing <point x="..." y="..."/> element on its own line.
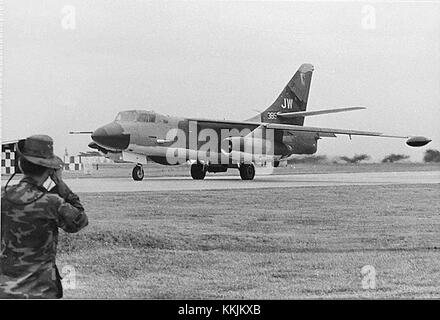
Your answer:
<point x="418" y="141"/>
<point x="249" y="145"/>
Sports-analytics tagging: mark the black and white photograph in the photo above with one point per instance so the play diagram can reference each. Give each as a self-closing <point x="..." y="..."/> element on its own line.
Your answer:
<point x="220" y="154"/>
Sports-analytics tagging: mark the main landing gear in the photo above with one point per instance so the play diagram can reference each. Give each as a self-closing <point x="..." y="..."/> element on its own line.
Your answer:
<point x="198" y="171"/>
<point x="138" y="173"/>
<point x="247" y="171"/>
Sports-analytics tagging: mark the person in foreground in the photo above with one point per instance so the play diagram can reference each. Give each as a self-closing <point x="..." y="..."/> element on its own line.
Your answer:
<point x="30" y="218"/>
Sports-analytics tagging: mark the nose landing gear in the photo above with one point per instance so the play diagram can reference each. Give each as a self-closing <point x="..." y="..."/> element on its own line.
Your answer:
<point x="138" y="173"/>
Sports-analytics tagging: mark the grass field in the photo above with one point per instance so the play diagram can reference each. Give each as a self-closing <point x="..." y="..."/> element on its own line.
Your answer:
<point x="264" y="244"/>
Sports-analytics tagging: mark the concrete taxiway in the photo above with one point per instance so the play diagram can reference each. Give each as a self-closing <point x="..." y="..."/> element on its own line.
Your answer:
<point x="212" y="182"/>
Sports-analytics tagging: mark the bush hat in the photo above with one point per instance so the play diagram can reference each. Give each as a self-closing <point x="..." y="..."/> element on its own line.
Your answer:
<point x="38" y="149"/>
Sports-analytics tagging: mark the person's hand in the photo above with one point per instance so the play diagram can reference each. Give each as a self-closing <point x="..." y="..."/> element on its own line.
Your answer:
<point x="61" y="187"/>
<point x="56" y="176"/>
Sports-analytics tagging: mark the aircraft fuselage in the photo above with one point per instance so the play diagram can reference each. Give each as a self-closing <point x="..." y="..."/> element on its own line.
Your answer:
<point x="153" y="135"/>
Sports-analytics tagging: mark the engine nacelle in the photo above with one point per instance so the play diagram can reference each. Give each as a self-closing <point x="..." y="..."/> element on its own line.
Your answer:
<point x="255" y="148"/>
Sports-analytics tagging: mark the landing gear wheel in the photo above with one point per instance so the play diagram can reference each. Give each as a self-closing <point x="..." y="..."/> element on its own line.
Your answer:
<point x="247" y="171"/>
<point x="198" y="171"/>
<point x="138" y="173"/>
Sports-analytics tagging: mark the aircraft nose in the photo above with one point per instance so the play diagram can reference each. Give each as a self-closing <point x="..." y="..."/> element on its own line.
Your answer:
<point x="111" y="136"/>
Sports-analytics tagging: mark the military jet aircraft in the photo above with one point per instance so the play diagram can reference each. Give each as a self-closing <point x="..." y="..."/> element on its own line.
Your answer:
<point x="274" y="135"/>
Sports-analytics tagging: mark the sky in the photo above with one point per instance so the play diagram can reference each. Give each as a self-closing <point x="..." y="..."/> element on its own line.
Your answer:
<point x="73" y="65"/>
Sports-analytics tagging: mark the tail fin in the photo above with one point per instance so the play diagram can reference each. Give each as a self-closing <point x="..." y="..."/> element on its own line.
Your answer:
<point x="293" y="98"/>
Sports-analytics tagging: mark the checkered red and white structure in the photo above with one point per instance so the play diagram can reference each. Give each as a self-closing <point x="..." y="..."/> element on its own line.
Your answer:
<point x="72" y="163"/>
<point x="9" y="162"/>
<point x="9" y="158"/>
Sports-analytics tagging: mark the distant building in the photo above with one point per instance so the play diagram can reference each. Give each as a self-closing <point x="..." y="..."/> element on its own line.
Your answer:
<point x="84" y="161"/>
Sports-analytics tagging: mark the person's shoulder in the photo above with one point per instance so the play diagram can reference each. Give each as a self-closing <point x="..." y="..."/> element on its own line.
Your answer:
<point x="10" y="191"/>
<point x="52" y="198"/>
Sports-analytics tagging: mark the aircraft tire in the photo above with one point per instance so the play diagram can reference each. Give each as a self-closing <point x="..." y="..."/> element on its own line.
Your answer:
<point x="198" y="171"/>
<point x="247" y="171"/>
<point x="138" y="173"/>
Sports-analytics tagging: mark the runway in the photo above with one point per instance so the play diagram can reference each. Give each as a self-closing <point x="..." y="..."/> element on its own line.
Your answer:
<point x="212" y="182"/>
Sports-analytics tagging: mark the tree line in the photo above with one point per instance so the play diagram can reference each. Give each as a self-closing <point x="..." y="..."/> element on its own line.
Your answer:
<point x="430" y="156"/>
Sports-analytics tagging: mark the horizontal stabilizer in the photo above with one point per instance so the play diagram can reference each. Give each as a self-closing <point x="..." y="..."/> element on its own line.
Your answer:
<point x="318" y="112"/>
<point x="80" y="132"/>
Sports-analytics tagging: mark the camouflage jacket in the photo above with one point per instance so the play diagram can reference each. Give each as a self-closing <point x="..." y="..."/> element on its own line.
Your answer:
<point x="29" y="236"/>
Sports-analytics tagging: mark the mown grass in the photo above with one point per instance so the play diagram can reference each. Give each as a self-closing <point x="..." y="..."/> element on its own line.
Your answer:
<point x="283" y="243"/>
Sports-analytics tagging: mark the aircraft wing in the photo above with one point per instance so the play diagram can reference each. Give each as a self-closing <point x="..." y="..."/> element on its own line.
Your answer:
<point x="413" y="141"/>
<point x="328" y="131"/>
<point x="325" y="132"/>
<point x="225" y="122"/>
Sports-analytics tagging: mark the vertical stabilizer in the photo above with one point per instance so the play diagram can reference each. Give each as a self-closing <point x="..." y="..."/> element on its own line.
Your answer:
<point x="293" y="98"/>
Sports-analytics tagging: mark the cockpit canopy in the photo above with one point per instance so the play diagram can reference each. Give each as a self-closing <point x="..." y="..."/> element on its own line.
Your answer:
<point x="136" y="115"/>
